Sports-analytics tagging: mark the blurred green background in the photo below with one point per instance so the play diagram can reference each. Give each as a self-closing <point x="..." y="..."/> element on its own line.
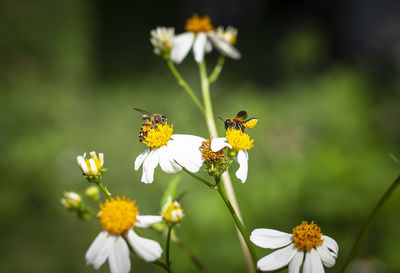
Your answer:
<point x="322" y="79"/>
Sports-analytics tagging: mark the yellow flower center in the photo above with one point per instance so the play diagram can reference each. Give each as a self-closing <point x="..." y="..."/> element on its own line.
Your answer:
<point x="306" y="236"/>
<point x="98" y="166"/>
<point x="197" y="24"/>
<point x="208" y="155"/>
<point x="118" y="215"/>
<point x="239" y="140"/>
<point x="159" y="136"/>
<point x="173" y="212"/>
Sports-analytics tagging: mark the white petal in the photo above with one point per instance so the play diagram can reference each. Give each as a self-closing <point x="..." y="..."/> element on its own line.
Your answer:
<point x="312" y="263"/>
<point x="223" y="46"/>
<point x="185" y="150"/>
<point x="295" y="263"/>
<point x="101" y="157"/>
<point x="82" y="163"/>
<point x="140" y="158"/>
<point x="149" y="164"/>
<point x="93" y="165"/>
<point x="218" y="143"/>
<point x="277" y="259"/>
<point x="167" y="163"/>
<point x="182" y="44"/>
<point x="243" y="159"/>
<point x="95" y="247"/>
<point x="118" y="260"/>
<point x="147" y="220"/>
<point x="327" y="256"/>
<point x="331" y="245"/>
<point x="208" y="46"/>
<point x="100" y="249"/>
<point x="93" y="154"/>
<point x="270" y="238"/>
<point x="146" y="249"/>
<point x="199" y="46"/>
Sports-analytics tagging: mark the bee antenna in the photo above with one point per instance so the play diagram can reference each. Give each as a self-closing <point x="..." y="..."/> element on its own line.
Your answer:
<point x="221" y="119"/>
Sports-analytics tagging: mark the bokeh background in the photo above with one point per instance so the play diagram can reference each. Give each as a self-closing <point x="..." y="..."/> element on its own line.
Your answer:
<point x="322" y="77"/>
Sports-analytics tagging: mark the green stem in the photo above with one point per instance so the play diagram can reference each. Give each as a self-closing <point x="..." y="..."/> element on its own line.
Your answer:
<point x="205" y="89"/>
<point x="368" y="224"/>
<point x="185" y="86"/>
<point x="238" y="223"/>
<point x="217" y="69"/>
<point x="167" y="247"/>
<point x="192" y="257"/>
<point x="163" y="265"/>
<point x="202" y="180"/>
<point x="104" y="189"/>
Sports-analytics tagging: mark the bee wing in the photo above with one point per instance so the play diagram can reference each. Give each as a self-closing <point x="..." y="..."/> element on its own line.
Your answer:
<point x="242" y="115"/>
<point x="145" y="114"/>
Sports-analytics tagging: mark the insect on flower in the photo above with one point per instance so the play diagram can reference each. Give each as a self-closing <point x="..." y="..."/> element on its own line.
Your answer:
<point x="240" y="122"/>
<point x="150" y="122"/>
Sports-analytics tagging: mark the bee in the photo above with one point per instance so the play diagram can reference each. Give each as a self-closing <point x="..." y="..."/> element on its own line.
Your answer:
<point x="150" y="122"/>
<point x="240" y="122"/>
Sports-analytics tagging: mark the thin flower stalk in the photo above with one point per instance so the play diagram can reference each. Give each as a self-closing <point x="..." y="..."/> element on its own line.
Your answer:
<point x="368" y="224"/>
<point x="167" y="247"/>
<point x="210" y="120"/>
<point x="217" y="69"/>
<point x="185" y="86"/>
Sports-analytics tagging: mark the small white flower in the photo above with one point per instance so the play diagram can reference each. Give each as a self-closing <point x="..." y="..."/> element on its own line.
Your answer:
<point x="229" y="35"/>
<point x="162" y="39"/>
<point x="307" y="239"/>
<point x="71" y="200"/>
<point x="172" y="211"/>
<point x="201" y="36"/>
<point x="169" y="150"/>
<point x="119" y="216"/>
<point x="240" y="142"/>
<point x="92" y="166"/>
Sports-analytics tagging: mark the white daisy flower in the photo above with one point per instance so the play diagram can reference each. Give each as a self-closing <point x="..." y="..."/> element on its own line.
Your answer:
<point x="229" y="35"/>
<point x="240" y="142"/>
<point x="169" y="150"/>
<point x="306" y="240"/>
<point x="172" y="211"/>
<point x="119" y="216"/>
<point x="92" y="166"/>
<point x="201" y="36"/>
<point x="162" y="39"/>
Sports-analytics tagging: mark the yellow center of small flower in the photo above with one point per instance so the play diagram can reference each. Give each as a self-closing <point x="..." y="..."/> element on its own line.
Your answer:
<point x="197" y="24"/>
<point x="159" y="136"/>
<point x="239" y="140"/>
<point x="173" y="212"/>
<point x="306" y="236"/>
<point x="118" y="215"/>
<point x="98" y="166"/>
<point x="208" y="155"/>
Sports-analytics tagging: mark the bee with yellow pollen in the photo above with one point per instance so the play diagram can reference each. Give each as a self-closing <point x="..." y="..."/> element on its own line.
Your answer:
<point x="171" y="151"/>
<point x="118" y="217"/>
<point x="238" y="143"/>
<point x="306" y="240"/>
<point x="201" y="36"/>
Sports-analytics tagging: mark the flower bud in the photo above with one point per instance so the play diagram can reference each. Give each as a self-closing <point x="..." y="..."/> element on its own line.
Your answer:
<point x="71" y="200"/>
<point x="92" y="167"/>
<point x="172" y="211"/>
<point x="93" y="193"/>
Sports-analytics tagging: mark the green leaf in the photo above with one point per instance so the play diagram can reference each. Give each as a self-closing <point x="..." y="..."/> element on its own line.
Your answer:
<point x="171" y="189"/>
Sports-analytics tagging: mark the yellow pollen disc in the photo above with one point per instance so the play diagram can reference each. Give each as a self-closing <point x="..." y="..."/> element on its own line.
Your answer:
<point x="118" y="215"/>
<point x="239" y="140"/>
<point x="197" y="24"/>
<point x="306" y="236"/>
<point x="98" y="165"/>
<point x="159" y="136"/>
<point x="208" y="155"/>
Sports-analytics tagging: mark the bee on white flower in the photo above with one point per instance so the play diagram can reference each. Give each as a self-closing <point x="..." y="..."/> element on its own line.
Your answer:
<point x="201" y="36"/>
